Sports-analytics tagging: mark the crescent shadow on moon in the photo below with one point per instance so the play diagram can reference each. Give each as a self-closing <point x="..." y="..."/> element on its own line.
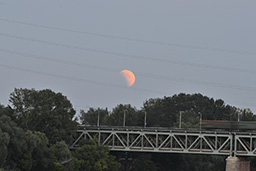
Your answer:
<point x="129" y="77"/>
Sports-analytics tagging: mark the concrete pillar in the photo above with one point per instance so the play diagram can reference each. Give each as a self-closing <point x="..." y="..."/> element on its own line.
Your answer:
<point x="237" y="164"/>
<point x="244" y="164"/>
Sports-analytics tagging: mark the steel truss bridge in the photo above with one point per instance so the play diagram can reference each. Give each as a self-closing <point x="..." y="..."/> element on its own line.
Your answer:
<point x="165" y="140"/>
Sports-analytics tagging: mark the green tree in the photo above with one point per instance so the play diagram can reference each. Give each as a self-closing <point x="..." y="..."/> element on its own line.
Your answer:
<point x="4" y="139"/>
<point x="144" y="163"/>
<point x="189" y="119"/>
<point x="13" y="143"/>
<point x="245" y="115"/>
<point x="165" y="111"/>
<point x="91" y="116"/>
<point x="160" y="112"/>
<point x="23" y="150"/>
<point x="38" y="155"/>
<point x="201" y="162"/>
<point x="167" y="161"/>
<point x="136" y="161"/>
<point x="131" y="114"/>
<point x="64" y="160"/>
<point x="94" y="158"/>
<point x="44" y="111"/>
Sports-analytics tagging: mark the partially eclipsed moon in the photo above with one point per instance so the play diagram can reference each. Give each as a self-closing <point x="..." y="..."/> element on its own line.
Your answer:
<point x="129" y="77"/>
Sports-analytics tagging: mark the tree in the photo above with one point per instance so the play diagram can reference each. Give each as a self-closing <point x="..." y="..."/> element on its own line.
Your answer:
<point x="27" y="150"/>
<point x="4" y="141"/>
<point x="64" y="160"/>
<point x="94" y="158"/>
<point x="4" y="137"/>
<point x="190" y="119"/>
<point x="38" y="156"/>
<point x="160" y="112"/>
<point x="167" y="161"/>
<point x="165" y="111"/>
<point x="23" y="150"/>
<point x="91" y="116"/>
<point x="144" y="163"/>
<point x="44" y="111"/>
<point x="245" y="115"/>
<point x="131" y="114"/>
<point x="12" y="143"/>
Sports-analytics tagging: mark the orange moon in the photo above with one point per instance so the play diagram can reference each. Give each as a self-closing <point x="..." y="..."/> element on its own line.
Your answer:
<point x="129" y="77"/>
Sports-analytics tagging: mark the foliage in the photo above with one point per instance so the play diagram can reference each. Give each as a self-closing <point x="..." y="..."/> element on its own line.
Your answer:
<point x="133" y="117"/>
<point x="44" y="111"/>
<point x="189" y="119"/>
<point x="116" y="117"/>
<point x="91" y="116"/>
<point x="23" y="150"/>
<point x="165" y="112"/>
<point x="94" y="158"/>
<point x="159" y="114"/>
<point x="144" y="163"/>
<point x="201" y="162"/>
<point x="12" y="137"/>
<point x="36" y="128"/>
<point x="63" y="156"/>
<point x="165" y="161"/>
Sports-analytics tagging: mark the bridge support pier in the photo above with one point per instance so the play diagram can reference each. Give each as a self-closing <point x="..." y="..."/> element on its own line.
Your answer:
<point x="237" y="164"/>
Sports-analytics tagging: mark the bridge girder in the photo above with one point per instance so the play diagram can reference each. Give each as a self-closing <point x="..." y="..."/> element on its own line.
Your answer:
<point x="169" y="141"/>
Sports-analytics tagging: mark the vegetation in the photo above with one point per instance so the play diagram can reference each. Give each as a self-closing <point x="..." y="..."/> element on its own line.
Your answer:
<point x="92" y="157"/>
<point x="37" y="129"/>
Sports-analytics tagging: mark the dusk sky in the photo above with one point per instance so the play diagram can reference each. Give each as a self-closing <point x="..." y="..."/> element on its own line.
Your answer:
<point x="79" y="47"/>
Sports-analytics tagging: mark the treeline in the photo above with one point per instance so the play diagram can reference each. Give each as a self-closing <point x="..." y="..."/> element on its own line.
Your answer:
<point x="36" y="131"/>
<point x="38" y="127"/>
<point x="165" y="112"/>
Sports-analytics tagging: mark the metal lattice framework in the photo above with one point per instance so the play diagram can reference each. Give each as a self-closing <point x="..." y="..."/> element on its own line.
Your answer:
<point x="164" y="141"/>
<point x="245" y="144"/>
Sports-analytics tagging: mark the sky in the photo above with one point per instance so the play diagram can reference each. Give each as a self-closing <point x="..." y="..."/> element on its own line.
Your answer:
<point x="79" y="47"/>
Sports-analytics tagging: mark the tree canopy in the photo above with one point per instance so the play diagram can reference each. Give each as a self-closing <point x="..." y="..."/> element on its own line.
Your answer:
<point x="95" y="158"/>
<point x="38" y="127"/>
<point x="44" y="111"/>
<point x="164" y="112"/>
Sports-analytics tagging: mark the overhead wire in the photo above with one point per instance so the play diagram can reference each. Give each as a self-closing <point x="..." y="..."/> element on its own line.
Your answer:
<point x="233" y="69"/>
<point x="62" y="61"/>
<point x="154" y="76"/>
<point x="132" y="39"/>
<point x="81" y="79"/>
<point x="91" y="82"/>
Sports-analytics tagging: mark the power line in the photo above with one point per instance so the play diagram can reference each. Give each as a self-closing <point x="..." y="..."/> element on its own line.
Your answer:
<point x="233" y="69"/>
<point x="133" y="39"/>
<point x="106" y="68"/>
<point x="82" y="65"/>
<point x="153" y="76"/>
<point x="117" y="86"/>
<point x="80" y="79"/>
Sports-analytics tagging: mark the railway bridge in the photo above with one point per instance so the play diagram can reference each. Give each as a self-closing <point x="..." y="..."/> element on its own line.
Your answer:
<point x="236" y="145"/>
